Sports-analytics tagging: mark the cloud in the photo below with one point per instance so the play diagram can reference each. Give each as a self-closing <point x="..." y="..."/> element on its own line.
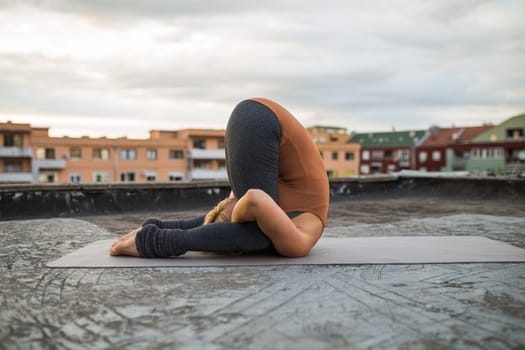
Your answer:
<point x="359" y="65"/>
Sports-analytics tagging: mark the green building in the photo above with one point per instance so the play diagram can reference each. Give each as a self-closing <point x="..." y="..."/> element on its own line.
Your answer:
<point x="385" y="152"/>
<point x="500" y="149"/>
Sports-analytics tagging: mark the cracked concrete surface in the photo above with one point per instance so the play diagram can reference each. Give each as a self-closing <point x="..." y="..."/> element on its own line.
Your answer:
<point x="470" y="306"/>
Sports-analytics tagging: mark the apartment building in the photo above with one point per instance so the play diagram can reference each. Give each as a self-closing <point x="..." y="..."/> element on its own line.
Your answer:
<point x="498" y="150"/>
<point x="442" y="149"/>
<point x="341" y="157"/>
<point x="30" y="155"/>
<point x="16" y="153"/>
<point x="204" y="152"/>
<point x="484" y="149"/>
<point x="385" y="152"/>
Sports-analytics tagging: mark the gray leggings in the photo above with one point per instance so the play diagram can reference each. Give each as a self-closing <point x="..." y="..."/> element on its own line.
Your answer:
<point x="252" y="160"/>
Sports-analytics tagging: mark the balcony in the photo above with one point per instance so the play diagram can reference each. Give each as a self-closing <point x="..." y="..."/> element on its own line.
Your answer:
<point x="206" y="154"/>
<point x="204" y="174"/>
<point x="49" y="164"/>
<point x="16" y="152"/>
<point x="16" y="177"/>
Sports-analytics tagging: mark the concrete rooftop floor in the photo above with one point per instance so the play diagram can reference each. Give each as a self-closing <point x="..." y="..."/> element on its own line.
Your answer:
<point x="466" y="306"/>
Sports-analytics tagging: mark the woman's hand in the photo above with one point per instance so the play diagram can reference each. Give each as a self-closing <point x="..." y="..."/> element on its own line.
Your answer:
<point x="289" y="239"/>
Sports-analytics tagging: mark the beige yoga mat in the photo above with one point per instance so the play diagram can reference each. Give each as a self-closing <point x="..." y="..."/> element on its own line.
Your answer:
<point x="328" y="251"/>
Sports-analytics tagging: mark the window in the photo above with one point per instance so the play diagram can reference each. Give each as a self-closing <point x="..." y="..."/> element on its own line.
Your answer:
<point x="50" y="153"/>
<point x="349" y="156"/>
<point x="422" y="157"/>
<point x="101" y="154"/>
<point x="176" y="176"/>
<point x="499" y="153"/>
<point x="515" y="134"/>
<point x="13" y="166"/>
<point x="12" y="140"/>
<point x="388" y="154"/>
<point x="75" y="153"/>
<point x="151" y="154"/>
<point x="366" y="156"/>
<point x="100" y="177"/>
<point x="47" y="178"/>
<point x="127" y="177"/>
<point x="365" y="169"/>
<point x="391" y="168"/>
<point x="201" y="164"/>
<point x="9" y="140"/>
<point x="487" y="153"/>
<point x="436" y="156"/>
<point x="517" y="156"/>
<point x="377" y="155"/>
<point x="176" y="154"/>
<point x="128" y="154"/>
<point x="335" y="155"/>
<point x="45" y="153"/>
<point x="151" y="178"/>
<point x="199" y="144"/>
<point x="75" y="178"/>
<point x="40" y="153"/>
<point x="220" y="144"/>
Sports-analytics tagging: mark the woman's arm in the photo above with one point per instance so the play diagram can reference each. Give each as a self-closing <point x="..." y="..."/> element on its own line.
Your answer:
<point x="289" y="239"/>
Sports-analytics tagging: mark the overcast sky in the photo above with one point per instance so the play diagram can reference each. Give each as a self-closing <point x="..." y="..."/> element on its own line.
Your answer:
<point x="124" y="67"/>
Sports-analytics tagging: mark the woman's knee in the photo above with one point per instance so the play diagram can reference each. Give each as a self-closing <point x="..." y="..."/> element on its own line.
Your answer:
<point x="297" y="250"/>
<point x="252" y="149"/>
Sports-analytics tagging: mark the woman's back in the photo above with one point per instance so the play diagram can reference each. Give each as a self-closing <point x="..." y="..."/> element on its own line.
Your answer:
<point x="303" y="183"/>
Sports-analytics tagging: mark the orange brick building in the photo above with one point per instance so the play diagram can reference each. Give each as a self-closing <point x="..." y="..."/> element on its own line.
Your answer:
<point x="16" y="153"/>
<point x="341" y="158"/>
<point x="30" y="155"/>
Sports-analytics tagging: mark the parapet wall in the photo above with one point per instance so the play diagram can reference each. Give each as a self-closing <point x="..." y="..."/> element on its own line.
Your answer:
<point x="40" y="201"/>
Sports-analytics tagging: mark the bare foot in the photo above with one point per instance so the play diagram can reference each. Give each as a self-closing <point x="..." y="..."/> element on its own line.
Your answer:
<point x="126" y="236"/>
<point x="126" y="245"/>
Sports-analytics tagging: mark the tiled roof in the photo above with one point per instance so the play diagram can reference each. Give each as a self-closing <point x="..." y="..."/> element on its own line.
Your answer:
<point x="472" y="132"/>
<point x="441" y="137"/>
<point x="446" y="136"/>
<point x="388" y="139"/>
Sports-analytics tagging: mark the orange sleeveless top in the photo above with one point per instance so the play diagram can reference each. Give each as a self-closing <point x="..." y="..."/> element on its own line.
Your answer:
<point x="303" y="183"/>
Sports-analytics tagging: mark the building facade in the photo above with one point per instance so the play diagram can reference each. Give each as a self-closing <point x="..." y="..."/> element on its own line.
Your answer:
<point x="386" y="152"/>
<point x="16" y="153"/>
<point x="438" y="150"/>
<point x="30" y="155"/>
<point x="500" y="149"/>
<point x="340" y="157"/>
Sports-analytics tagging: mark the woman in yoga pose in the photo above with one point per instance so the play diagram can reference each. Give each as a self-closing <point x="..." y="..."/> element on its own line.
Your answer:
<point x="279" y="201"/>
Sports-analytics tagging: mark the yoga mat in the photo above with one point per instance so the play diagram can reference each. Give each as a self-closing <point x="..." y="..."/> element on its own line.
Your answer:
<point x="343" y="251"/>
